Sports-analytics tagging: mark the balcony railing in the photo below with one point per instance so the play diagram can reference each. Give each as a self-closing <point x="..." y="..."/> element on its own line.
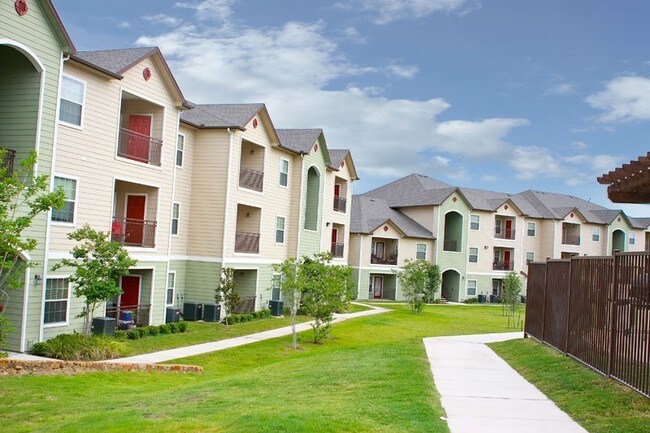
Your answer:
<point x="337" y="249"/>
<point x="127" y="315"/>
<point x="389" y="260"/>
<point x="570" y="239"/>
<point x="140" y="147"/>
<point x="340" y="204"/>
<point x="500" y="233"/>
<point x="7" y="161"/>
<point x="247" y="242"/>
<point x="503" y="266"/>
<point x="246" y="305"/>
<point x="133" y="232"/>
<point x="251" y="179"/>
<point x="450" y="245"/>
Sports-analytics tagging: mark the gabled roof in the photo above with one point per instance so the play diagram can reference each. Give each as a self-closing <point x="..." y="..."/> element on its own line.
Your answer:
<point x="117" y="62"/>
<point x="59" y="29"/>
<point x="413" y="190"/>
<point x="640" y="223"/>
<point x="338" y="156"/>
<point x="221" y="116"/>
<point x="299" y="141"/>
<point x="369" y="213"/>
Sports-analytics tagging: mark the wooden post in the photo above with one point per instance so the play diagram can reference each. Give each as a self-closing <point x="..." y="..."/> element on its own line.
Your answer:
<point x="612" y="315"/>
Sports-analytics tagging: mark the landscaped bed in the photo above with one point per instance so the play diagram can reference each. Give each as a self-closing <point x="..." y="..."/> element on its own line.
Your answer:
<point x="372" y="376"/>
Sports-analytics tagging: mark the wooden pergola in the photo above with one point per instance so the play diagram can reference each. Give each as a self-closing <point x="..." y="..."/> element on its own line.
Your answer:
<point x="629" y="183"/>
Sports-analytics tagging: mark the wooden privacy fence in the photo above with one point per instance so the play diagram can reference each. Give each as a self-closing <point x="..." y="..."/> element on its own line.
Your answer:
<point x="597" y="310"/>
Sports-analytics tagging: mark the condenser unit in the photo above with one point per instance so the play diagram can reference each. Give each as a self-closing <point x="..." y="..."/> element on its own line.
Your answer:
<point x="192" y="311"/>
<point x="211" y="312"/>
<point x="172" y="315"/>
<point x="103" y="325"/>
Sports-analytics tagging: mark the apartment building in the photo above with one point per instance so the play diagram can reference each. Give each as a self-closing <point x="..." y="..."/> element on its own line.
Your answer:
<point x="476" y="236"/>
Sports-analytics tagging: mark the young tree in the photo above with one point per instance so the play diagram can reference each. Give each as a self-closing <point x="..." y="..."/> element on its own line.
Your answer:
<point x="325" y="289"/>
<point x="227" y="294"/>
<point x="420" y="280"/>
<point x="511" y="295"/>
<point x="23" y="196"/>
<point x="290" y="288"/>
<point x="98" y="263"/>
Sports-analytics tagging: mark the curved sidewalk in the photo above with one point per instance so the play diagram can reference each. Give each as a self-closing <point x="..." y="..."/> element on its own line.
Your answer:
<point x="481" y="393"/>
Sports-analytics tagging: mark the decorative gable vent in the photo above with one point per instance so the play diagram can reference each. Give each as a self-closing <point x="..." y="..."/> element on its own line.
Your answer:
<point x="146" y="74"/>
<point x="21" y="7"/>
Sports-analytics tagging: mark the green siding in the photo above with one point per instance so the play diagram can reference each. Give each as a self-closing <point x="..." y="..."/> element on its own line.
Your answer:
<point x="310" y="239"/>
<point x="448" y="259"/>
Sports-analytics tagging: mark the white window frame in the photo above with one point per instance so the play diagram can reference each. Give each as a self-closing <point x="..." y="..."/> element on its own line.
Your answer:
<point x="477" y="222"/>
<point x="75" y="201"/>
<point x="274" y="278"/>
<point x="83" y="102"/>
<point x="632" y="238"/>
<point x="417" y="246"/>
<point x="177" y="218"/>
<point x="284" y="229"/>
<point x="469" y="254"/>
<point x="534" y="229"/>
<point x="282" y="172"/>
<point x="468" y="287"/>
<point x="67" y="300"/>
<point x="595" y="234"/>
<point x="180" y="147"/>
<point x="173" y="289"/>
<point x="532" y="256"/>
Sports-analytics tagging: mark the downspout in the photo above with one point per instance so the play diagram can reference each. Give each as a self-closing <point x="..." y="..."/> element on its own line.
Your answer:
<point x="359" y="273"/>
<point x="302" y="180"/>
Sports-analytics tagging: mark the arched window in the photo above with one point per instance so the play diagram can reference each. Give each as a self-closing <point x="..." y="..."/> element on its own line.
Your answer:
<point x="313" y="195"/>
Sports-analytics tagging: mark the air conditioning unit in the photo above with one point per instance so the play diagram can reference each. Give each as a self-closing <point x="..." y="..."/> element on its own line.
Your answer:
<point x="192" y="311"/>
<point x="103" y="325"/>
<point x="211" y="312"/>
<point x="172" y="315"/>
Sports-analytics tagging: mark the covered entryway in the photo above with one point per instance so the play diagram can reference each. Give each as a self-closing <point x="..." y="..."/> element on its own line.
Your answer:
<point x="451" y="285"/>
<point x="130" y="297"/>
<point x="618" y="241"/>
<point x="246" y="286"/>
<point x="382" y="286"/>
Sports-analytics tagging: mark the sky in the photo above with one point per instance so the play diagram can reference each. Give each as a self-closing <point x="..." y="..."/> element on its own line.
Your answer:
<point x="494" y="94"/>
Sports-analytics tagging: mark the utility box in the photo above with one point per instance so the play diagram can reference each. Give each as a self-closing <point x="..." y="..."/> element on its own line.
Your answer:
<point x="276" y="308"/>
<point x="211" y="312"/>
<point x="172" y="315"/>
<point x="103" y="325"/>
<point x="192" y="311"/>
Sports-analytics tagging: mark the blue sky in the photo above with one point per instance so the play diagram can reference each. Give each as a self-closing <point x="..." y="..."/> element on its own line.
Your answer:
<point x="500" y="94"/>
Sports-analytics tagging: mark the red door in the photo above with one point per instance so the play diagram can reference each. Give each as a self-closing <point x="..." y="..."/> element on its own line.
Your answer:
<point x="509" y="229"/>
<point x="506" y="260"/>
<point x="135" y="205"/>
<point x="138" y="146"/>
<point x="130" y="291"/>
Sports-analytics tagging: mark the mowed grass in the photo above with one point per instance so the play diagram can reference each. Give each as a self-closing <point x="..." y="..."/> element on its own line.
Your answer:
<point x="599" y="404"/>
<point x="373" y="376"/>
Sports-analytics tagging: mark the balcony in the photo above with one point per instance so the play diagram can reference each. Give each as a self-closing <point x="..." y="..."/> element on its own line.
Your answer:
<point x="503" y="266"/>
<point x="340" y="204"/>
<point x="139" y="147"/>
<point x="7" y="162"/>
<point x="251" y="179"/>
<point x="132" y="232"/>
<point x="247" y="243"/>
<point x="337" y="249"/>
<point x="139" y="313"/>
<point x="501" y="233"/>
<point x="450" y="246"/>
<point x="387" y="260"/>
<point x="570" y="239"/>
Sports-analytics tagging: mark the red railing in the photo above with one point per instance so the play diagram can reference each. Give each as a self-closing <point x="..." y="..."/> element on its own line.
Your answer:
<point x="140" y="147"/>
<point x="129" y="314"/>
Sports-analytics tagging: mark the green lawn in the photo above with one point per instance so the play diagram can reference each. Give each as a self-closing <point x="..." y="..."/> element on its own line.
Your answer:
<point x="373" y="376"/>
<point x="600" y="405"/>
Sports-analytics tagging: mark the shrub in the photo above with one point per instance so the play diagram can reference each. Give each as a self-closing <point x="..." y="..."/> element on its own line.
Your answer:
<point x="144" y="331"/>
<point x="153" y="330"/>
<point x="120" y="335"/>
<point x="182" y="326"/>
<point x="286" y="311"/>
<point x="133" y="334"/>
<point x="165" y="329"/>
<point x="471" y="301"/>
<point x="78" y="347"/>
<point x="265" y="314"/>
<point x="173" y="327"/>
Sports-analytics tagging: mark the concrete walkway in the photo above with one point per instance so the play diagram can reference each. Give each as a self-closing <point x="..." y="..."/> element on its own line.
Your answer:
<point x="481" y="393"/>
<point x="213" y="346"/>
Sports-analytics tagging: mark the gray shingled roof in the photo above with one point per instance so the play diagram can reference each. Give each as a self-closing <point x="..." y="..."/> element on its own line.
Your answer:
<point x="368" y="213"/>
<point x="116" y="61"/>
<point x="413" y="190"/>
<point x="299" y="140"/>
<point x="337" y="156"/>
<point x="640" y="223"/>
<point x="221" y="115"/>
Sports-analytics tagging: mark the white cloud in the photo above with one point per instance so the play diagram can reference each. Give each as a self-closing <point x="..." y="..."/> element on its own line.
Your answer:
<point x="403" y="71"/>
<point x="624" y="99"/>
<point x="579" y="145"/>
<point x="163" y="19"/>
<point x="531" y="162"/>
<point x="353" y="35"/>
<point x="386" y="11"/>
<point x="210" y="10"/>
<point x="476" y="139"/>
<point x="124" y="25"/>
<point x="596" y="163"/>
<point x="560" y="89"/>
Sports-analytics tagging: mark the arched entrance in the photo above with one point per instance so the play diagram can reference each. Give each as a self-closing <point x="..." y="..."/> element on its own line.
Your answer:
<point x="311" y="205"/>
<point x="453" y="232"/>
<point x="451" y="285"/>
<point x="618" y="240"/>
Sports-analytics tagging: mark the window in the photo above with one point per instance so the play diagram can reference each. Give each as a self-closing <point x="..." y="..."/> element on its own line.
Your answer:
<point x="473" y="255"/>
<point x="56" y="301"/>
<point x="595" y="235"/>
<point x="421" y="252"/>
<point x="276" y="284"/>
<point x="180" y="147"/>
<point x="632" y="238"/>
<point x="284" y="172"/>
<point x="66" y="213"/>
<point x="531" y="229"/>
<point x="171" y="287"/>
<point x="475" y="222"/>
<point x="530" y="257"/>
<point x="176" y="215"/>
<point x="471" y="287"/>
<point x="72" y="100"/>
<point x="279" y="230"/>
